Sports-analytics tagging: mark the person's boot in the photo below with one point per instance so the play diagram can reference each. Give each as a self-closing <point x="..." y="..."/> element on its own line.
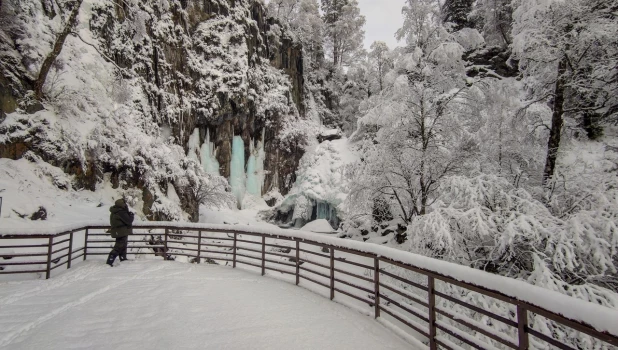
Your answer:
<point x="111" y="257"/>
<point x="123" y="255"/>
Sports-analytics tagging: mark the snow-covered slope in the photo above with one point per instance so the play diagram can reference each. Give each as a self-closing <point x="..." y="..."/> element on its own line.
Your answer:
<point x="26" y="187"/>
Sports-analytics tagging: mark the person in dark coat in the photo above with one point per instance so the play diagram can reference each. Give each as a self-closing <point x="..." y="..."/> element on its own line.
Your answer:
<point x="121" y="220"/>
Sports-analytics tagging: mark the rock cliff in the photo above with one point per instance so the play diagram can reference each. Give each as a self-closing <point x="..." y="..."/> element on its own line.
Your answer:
<point x="146" y="74"/>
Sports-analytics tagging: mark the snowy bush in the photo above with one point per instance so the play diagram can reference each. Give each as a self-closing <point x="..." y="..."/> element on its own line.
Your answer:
<point x="487" y="223"/>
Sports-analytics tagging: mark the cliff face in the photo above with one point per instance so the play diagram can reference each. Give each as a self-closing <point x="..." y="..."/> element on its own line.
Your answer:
<point x="183" y="64"/>
<point x="142" y="76"/>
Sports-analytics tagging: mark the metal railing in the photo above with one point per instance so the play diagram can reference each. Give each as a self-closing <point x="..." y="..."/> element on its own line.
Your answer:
<point x="380" y="283"/>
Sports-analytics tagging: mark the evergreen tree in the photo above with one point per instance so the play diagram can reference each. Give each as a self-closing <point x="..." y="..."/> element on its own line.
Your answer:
<point x="344" y="30"/>
<point x="456" y="13"/>
<point x="494" y="18"/>
<point x="380" y="61"/>
<point x="567" y="53"/>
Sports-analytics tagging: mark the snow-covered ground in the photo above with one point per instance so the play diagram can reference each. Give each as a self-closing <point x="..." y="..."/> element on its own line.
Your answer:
<point x="170" y="305"/>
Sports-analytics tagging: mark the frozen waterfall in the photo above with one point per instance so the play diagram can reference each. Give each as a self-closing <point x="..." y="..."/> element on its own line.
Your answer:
<point x="249" y="179"/>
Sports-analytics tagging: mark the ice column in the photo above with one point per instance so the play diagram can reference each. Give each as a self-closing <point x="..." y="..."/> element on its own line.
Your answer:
<point x="255" y="168"/>
<point x="323" y="211"/>
<point x="326" y="211"/>
<point x="194" y="145"/>
<point x="237" y="170"/>
<point x="209" y="159"/>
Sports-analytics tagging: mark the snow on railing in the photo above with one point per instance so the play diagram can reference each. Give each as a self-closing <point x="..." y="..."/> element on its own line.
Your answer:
<point x="390" y="288"/>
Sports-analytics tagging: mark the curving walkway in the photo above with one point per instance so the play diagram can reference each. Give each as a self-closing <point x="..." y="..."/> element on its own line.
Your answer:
<point x="169" y="305"/>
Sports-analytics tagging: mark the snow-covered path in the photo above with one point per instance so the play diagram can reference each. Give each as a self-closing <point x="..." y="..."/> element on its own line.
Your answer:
<point x="170" y="305"/>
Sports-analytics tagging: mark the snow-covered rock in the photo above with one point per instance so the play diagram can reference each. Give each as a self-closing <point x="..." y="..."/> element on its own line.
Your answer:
<point x="318" y="226"/>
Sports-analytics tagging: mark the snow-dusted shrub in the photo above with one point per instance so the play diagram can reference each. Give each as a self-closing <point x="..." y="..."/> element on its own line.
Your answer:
<point x="487" y="223"/>
<point x="209" y="190"/>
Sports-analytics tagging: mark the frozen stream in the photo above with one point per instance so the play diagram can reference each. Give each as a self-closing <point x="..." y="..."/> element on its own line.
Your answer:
<point x="155" y="304"/>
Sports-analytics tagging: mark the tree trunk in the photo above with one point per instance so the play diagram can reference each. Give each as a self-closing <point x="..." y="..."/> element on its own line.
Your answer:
<point x="425" y="146"/>
<point x="335" y="51"/>
<point x="51" y="58"/>
<point x="553" y="144"/>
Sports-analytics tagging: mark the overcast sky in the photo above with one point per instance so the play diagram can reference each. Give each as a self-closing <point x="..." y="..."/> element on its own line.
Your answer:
<point x="383" y="20"/>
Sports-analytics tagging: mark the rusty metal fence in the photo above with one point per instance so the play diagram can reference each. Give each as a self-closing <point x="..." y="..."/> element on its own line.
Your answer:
<point x="409" y="304"/>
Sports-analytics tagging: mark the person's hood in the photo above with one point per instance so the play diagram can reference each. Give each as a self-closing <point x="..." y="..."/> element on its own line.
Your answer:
<point x="115" y="209"/>
<point x="118" y="206"/>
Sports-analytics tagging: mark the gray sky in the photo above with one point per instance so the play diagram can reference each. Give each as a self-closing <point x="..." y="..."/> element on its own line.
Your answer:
<point x="383" y="20"/>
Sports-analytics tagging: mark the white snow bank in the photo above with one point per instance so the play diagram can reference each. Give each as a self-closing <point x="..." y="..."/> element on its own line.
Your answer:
<point x="598" y="317"/>
<point x="318" y="226"/>
<point x="163" y="304"/>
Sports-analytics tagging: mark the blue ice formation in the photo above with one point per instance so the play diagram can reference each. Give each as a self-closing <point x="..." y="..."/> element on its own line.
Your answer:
<point x="208" y="156"/>
<point x="255" y="168"/>
<point x="237" y="170"/>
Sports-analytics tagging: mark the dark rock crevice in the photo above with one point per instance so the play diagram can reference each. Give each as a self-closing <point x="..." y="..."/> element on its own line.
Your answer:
<point x="492" y="61"/>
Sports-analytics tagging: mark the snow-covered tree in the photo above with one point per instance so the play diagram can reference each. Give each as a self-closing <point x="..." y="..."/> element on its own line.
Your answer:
<point x="493" y="18"/>
<point x="486" y="222"/>
<point x="381" y="62"/>
<point x="356" y="89"/>
<point x="567" y="52"/>
<point x="303" y="17"/>
<point x="344" y="31"/>
<point x="70" y="22"/>
<point x="421" y="116"/>
<point x="456" y="13"/>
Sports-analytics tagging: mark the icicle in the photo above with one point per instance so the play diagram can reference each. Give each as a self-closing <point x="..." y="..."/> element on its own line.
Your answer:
<point x="252" y="179"/>
<point x="255" y="168"/>
<point x="261" y="159"/>
<point x="326" y="211"/>
<point x="237" y="170"/>
<point x="209" y="159"/>
<point x="194" y="145"/>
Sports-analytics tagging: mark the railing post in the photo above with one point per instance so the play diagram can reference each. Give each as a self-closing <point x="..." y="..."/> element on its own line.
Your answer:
<point x="376" y="278"/>
<point x="332" y="273"/>
<point x="165" y="249"/>
<point x="234" y="251"/>
<point x="432" y="313"/>
<point x="49" y="255"/>
<point x="85" y="244"/>
<point x="70" y="250"/>
<point x="199" y="245"/>
<point x="522" y="323"/>
<point x="297" y="262"/>
<point x="263" y="255"/>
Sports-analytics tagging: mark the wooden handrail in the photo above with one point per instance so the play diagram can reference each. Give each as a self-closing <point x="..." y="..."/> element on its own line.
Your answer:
<point x="437" y="328"/>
